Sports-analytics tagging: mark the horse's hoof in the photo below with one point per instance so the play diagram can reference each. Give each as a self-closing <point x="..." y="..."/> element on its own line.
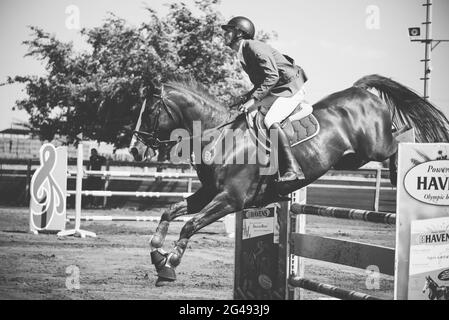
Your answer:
<point x="165" y="274"/>
<point x="157" y="258"/>
<point x="160" y="282"/>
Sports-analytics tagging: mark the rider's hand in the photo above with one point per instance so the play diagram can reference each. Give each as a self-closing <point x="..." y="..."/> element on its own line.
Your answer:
<point x="244" y="107"/>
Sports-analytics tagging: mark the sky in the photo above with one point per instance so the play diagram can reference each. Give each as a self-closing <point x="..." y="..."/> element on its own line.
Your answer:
<point x="336" y="42"/>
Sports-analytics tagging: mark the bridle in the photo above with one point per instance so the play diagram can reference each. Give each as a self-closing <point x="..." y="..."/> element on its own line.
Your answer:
<point x="150" y="139"/>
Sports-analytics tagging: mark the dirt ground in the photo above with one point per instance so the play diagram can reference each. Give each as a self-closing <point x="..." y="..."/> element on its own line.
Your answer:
<point x="116" y="264"/>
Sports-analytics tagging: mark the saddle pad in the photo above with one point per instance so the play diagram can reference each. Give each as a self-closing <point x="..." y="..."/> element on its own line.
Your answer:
<point x="301" y="130"/>
<point x="297" y="131"/>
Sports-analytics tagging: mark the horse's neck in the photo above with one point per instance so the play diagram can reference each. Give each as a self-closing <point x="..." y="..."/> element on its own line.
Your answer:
<point x="192" y="106"/>
<point x="433" y="288"/>
<point x="205" y="116"/>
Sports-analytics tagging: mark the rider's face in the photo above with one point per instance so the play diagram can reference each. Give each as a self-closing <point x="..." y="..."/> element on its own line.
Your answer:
<point x="229" y="36"/>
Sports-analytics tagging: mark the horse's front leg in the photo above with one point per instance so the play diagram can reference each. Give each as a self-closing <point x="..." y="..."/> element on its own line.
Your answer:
<point x="158" y="255"/>
<point x="219" y="207"/>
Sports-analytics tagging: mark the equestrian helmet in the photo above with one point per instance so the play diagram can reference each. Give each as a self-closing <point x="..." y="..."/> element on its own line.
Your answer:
<point x="243" y="24"/>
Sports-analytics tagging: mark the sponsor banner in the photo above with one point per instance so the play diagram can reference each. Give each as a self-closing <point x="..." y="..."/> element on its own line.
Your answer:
<point x="48" y="190"/>
<point x="257" y="257"/>
<point x="429" y="259"/>
<point x="422" y="194"/>
<point x="429" y="182"/>
<point x="257" y="222"/>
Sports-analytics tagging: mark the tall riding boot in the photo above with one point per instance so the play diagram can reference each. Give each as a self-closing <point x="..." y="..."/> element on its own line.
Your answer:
<point x="293" y="171"/>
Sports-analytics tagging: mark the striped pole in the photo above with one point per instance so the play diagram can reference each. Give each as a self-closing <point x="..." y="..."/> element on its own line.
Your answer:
<point x="329" y="290"/>
<point x="345" y="213"/>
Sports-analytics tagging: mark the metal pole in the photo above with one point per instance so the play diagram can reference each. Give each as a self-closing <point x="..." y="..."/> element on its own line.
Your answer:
<point x="79" y="186"/>
<point x="430" y="44"/>
<point x="428" y="49"/>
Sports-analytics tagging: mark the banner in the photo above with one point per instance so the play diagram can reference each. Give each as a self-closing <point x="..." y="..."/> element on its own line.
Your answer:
<point x="422" y="247"/>
<point x="257" y="255"/>
<point x="48" y="190"/>
<point x="429" y="260"/>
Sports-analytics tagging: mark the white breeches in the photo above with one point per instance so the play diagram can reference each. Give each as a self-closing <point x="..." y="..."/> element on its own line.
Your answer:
<point x="282" y="107"/>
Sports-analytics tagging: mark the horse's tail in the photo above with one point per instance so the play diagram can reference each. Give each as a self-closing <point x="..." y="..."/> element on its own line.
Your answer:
<point x="408" y="108"/>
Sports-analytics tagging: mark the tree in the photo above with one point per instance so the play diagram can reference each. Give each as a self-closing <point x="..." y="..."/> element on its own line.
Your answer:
<point x="99" y="93"/>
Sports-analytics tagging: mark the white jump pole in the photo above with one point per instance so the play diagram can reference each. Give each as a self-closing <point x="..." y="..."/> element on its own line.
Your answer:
<point x="297" y="264"/>
<point x="79" y="187"/>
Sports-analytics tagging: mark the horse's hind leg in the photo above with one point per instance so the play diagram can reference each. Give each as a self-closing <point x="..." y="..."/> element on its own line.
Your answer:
<point x="219" y="207"/>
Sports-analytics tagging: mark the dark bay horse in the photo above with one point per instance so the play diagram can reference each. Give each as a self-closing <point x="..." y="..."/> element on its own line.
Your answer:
<point x="436" y="292"/>
<point x="357" y="126"/>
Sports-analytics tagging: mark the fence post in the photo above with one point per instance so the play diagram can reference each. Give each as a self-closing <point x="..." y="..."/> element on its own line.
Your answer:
<point x="28" y="182"/>
<point x="298" y="225"/>
<point x="189" y="184"/>
<point x="106" y="182"/>
<point x="377" y="194"/>
<point x="284" y="246"/>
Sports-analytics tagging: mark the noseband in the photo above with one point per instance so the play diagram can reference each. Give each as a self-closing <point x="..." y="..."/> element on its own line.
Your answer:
<point x="150" y="139"/>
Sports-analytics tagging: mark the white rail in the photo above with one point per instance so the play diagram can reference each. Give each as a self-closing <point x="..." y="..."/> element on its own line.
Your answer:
<point x="107" y="193"/>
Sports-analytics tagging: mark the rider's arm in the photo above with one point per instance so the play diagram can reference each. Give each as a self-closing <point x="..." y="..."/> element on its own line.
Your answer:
<point x="267" y="65"/>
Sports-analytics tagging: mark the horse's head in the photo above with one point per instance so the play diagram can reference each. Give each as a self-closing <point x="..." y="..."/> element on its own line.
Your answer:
<point x="154" y="127"/>
<point x="432" y="286"/>
<point x="426" y="284"/>
<point x="180" y="105"/>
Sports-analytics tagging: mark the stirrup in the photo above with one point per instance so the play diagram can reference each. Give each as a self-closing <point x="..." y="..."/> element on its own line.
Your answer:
<point x="291" y="176"/>
<point x="288" y="177"/>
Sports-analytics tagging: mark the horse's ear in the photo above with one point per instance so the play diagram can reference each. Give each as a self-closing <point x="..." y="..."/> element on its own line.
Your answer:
<point x="149" y="91"/>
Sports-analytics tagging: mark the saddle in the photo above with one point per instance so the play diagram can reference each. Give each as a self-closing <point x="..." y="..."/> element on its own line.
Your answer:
<point x="298" y="130"/>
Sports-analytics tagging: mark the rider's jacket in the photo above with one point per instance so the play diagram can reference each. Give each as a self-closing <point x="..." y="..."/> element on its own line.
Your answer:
<point x="270" y="71"/>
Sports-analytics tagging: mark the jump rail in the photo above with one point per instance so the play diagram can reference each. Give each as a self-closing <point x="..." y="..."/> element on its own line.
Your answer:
<point x="329" y="290"/>
<point x="130" y="218"/>
<point x="343" y="252"/>
<point x="344" y="213"/>
<point x="145" y="194"/>
<point x="132" y="174"/>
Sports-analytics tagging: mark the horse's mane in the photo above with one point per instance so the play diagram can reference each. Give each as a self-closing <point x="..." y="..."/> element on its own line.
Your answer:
<point x="193" y="87"/>
<point x="432" y="281"/>
<point x="190" y="84"/>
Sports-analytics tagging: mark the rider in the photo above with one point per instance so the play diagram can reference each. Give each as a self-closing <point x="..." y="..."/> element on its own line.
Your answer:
<point x="277" y="82"/>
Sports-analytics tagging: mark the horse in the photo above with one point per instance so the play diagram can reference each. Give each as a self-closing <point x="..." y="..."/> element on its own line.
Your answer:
<point x="436" y="292"/>
<point x="357" y="125"/>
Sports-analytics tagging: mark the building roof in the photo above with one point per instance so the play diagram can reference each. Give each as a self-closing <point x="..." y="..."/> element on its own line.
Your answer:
<point x="24" y="132"/>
